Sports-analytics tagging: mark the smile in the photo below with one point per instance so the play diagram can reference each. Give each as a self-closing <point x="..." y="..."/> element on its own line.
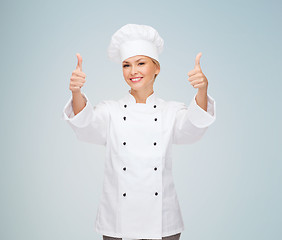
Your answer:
<point x="135" y="79"/>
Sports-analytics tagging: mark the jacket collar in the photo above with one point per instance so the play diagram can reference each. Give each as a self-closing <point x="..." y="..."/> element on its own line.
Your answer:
<point x="151" y="100"/>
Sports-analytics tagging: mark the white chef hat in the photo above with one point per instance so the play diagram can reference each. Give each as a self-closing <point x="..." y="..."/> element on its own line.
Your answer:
<point x="134" y="39"/>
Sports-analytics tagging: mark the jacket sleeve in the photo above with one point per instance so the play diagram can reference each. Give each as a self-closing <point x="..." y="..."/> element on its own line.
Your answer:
<point x="91" y="123"/>
<point x="192" y="122"/>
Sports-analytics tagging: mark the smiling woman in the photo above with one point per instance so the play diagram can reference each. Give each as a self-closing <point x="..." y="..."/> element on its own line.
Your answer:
<point x="139" y="73"/>
<point x="139" y="199"/>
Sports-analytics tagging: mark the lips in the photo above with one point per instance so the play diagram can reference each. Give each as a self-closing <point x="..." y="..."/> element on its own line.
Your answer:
<point x="137" y="79"/>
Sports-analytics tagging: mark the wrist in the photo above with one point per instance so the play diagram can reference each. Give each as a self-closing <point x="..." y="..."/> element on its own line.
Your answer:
<point x="76" y="93"/>
<point x="202" y="91"/>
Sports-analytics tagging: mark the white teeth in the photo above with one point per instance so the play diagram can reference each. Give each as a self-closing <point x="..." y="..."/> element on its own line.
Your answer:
<point x="135" y="79"/>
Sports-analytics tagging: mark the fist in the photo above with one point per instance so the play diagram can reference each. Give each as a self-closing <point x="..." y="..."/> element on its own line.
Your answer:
<point x="196" y="77"/>
<point x="78" y="77"/>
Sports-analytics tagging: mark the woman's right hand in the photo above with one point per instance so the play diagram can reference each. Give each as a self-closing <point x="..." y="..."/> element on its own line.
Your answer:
<point x="78" y="77"/>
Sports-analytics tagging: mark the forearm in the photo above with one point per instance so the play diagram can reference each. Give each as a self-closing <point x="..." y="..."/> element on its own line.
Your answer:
<point x="202" y="99"/>
<point x="78" y="102"/>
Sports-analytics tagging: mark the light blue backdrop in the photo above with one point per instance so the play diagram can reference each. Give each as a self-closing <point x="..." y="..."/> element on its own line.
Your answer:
<point x="228" y="184"/>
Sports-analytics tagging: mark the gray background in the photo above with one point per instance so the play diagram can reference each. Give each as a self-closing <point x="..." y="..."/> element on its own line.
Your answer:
<point x="228" y="184"/>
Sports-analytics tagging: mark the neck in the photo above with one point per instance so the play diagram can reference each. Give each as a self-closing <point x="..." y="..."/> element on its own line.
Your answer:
<point x="141" y="97"/>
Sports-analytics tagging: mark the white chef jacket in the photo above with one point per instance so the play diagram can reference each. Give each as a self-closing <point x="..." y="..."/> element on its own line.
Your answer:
<point x="139" y="199"/>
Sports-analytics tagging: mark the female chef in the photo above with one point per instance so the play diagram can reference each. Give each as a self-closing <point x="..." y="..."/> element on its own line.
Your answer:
<point x="139" y="200"/>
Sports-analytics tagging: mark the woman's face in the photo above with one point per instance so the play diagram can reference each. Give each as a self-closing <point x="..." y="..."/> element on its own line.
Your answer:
<point x="139" y="72"/>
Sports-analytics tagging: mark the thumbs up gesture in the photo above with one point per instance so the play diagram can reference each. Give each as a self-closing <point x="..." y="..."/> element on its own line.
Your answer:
<point x="196" y="77"/>
<point x="78" y="77"/>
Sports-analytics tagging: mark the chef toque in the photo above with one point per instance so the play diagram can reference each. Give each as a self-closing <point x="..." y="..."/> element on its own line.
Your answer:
<point x="134" y="39"/>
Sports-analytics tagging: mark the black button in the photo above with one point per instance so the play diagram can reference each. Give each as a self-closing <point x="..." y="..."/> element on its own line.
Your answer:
<point x="124" y="168"/>
<point x="155" y="169"/>
<point x="124" y="118"/>
<point x="125" y="105"/>
<point x="155" y="106"/>
<point x="124" y="143"/>
<point x="155" y="143"/>
<point x="156" y="119"/>
<point x="124" y="194"/>
<point x="156" y="193"/>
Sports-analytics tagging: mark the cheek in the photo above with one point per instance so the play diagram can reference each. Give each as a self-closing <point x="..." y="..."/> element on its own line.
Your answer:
<point x="147" y="71"/>
<point x="125" y="73"/>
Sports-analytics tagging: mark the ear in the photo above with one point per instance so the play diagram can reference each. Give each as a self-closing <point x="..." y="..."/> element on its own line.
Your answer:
<point x="157" y="70"/>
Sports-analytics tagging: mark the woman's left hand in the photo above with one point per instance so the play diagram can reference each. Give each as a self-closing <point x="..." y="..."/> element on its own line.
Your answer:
<point x="196" y="77"/>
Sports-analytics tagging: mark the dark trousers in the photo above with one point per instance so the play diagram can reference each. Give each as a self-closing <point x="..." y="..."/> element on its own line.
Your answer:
<point x="172" y="237"/>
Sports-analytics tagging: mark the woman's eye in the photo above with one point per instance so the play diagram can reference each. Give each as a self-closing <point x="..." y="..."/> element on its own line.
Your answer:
<point x="126" y="65"/>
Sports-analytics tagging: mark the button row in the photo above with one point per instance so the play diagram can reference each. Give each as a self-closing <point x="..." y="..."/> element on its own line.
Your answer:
<point x="126" y="106"/>
<point x="124" y="118"/>
<point x="124" y="143"/>
<point x="155" y="168"/>
<point x="124" y="194"/>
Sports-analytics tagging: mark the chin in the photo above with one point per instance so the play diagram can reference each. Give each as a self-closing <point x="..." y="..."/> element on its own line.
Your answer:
<point x="135" y="86"/>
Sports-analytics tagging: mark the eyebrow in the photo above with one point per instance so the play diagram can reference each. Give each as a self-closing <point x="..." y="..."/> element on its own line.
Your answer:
<point x="136" y="60"/>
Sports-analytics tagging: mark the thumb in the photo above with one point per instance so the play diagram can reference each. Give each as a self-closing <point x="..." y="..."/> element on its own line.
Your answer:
<point x="79" y="63"/>
<point x="197" y="61"/>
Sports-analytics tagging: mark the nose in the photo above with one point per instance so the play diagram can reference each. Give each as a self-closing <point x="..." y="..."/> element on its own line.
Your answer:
<point x="133" y="70"/>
